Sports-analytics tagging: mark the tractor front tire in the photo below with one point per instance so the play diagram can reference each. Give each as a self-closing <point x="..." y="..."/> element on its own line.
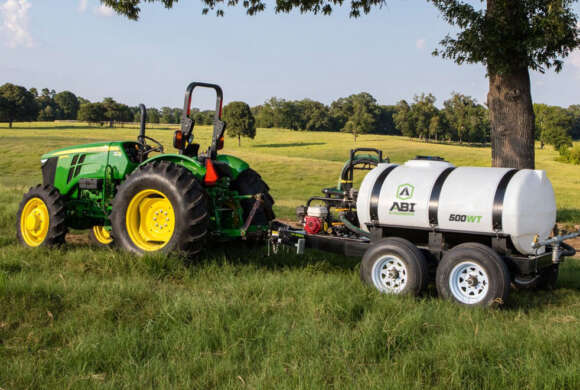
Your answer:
<point x="40" y="220"/>
<point x="249" y="182"/>
<point x="160" y="207"/>
<point x="101" y="237"/>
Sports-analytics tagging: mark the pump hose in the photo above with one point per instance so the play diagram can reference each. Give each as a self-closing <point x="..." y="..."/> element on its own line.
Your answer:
<point x="352" y="227"/>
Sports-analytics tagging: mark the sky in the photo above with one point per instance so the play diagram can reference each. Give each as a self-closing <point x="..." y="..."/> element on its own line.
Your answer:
<point x="84" y="47"/>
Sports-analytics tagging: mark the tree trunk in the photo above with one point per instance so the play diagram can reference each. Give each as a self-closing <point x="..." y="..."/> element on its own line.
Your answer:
<point x="511" y="116"/>
<point x="239" y="140"/>
<point x="10" y="123"/>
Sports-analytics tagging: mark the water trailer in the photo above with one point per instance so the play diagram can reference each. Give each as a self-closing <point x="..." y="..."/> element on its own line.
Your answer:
<point x="475" y="231"/>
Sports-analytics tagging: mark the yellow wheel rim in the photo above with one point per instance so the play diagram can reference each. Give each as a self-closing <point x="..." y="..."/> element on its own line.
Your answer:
<point x="102" y="235"/>
<point x="34" y="222"/>
<point x="150" y="220"/>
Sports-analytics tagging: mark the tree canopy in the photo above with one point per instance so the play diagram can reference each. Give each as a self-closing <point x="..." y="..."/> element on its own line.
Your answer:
<point x="16" y="104"/>
<point x="240" y="120"/>
<point x="510" y="34"/>
<point x="131" y="9"/>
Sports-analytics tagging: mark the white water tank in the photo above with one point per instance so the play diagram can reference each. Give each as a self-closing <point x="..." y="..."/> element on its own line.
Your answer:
<point x="431" y="193"/>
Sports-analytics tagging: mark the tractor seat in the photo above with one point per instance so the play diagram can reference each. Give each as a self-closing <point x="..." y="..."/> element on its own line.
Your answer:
<point x="191" y="150"/>
<point x="333" y="191"/>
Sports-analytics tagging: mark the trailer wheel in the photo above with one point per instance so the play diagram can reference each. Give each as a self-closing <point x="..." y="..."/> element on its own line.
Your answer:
<point x="394" y="266"/>
<point x="473" y="275"/>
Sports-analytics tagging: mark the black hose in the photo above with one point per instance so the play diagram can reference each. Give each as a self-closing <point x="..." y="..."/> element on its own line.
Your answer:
<point x="351" y="227"/>
<point x="568" y="251"/>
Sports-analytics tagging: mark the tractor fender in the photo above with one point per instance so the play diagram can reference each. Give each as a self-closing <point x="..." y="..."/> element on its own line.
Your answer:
<point x="189" y="163"/>
<point x="237" y="165"/>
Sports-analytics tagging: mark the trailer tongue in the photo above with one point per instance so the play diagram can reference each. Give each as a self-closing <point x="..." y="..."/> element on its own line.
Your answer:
<point x="480" y="228"/>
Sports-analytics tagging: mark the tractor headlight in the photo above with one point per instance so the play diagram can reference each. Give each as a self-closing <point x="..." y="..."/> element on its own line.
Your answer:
<point x="42" y="161"/>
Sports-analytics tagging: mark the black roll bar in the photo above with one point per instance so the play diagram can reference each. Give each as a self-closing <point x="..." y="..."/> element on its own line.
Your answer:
<point x="141" y="137"/>
<point x="219" y="126"/>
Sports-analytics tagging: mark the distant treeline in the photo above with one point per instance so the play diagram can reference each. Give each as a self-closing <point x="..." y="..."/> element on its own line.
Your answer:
<point x="460" y="118"/>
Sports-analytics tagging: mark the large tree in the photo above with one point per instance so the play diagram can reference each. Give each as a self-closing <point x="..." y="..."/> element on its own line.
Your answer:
<point x="240" y="121"/>
<point x="16" y="104"/>
<point x="68" y="104"/>
<point x="552" y="125"/>
<point x="509" y="37"/>
<point x="466" y="118"/>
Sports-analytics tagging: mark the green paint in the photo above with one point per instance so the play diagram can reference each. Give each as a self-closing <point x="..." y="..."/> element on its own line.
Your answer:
<point x="409" y="214"/>
<point x="237" y="165"/>
<point x="110" y="162"/>
<point x="405" y="191"/>
<point x="191" y="164"/>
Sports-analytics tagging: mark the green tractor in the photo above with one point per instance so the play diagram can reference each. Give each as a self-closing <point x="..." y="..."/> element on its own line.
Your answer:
<point x="148" y="203"/>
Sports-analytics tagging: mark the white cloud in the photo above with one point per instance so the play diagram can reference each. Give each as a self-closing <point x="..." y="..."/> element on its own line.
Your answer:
<point x="104" y="10"/>
<point x="420" y="43"/>
<point x="14" y="23"/>
<point x="83" y="5"/>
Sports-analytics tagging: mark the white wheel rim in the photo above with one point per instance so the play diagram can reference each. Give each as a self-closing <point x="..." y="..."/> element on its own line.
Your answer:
<point x="469" y="282"/>
<point x="390" y="275"/>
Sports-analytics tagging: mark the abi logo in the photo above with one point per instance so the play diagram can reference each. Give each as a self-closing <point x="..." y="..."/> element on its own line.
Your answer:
<point x="404" y="193"/>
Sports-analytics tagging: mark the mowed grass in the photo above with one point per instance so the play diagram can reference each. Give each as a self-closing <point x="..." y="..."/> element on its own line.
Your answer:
<point x="80" y="317"/>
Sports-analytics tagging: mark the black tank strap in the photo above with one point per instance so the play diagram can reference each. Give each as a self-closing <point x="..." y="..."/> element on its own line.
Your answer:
<point x="497" y="219"/>
<point x="376" y="192"/>
<point x="435" y="193"/>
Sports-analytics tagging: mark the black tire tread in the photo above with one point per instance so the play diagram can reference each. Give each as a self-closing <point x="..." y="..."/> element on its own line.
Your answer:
<point x="414" y="256"/>
<point x="57" y="229"/>
<point x="499" y="273"/>
<point x="249" y="182"/>
<point x="190" y="194"/>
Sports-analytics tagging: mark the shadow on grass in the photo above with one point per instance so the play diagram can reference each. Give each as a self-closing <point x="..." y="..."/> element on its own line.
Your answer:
<point x="568" y="215"/>
<point x="244" y="252"/>
<point x="289" y="145"/>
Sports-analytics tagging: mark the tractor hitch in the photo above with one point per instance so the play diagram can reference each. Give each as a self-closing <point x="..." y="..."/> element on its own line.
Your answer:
<point x="257" y="203"/>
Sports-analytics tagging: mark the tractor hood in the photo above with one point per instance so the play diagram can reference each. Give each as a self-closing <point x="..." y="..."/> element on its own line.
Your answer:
<point x="96" y="147"/>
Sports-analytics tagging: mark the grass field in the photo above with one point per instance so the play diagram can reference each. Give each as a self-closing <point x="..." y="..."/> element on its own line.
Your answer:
<point x="80" y="317"/>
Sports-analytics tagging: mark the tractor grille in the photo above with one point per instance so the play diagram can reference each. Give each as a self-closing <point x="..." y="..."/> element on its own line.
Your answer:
<point x="75" y="166"/>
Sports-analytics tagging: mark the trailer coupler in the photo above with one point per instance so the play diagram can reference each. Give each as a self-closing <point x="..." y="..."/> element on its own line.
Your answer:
<point x="282" y="235"/>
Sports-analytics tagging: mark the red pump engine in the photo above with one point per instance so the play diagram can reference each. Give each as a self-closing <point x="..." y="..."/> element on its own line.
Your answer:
<point x="314" y="219"/>
<point x="312" y="225"/>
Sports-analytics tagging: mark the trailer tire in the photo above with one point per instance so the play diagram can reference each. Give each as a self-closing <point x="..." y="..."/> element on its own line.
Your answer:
<point x="395" y="266"/>
<point x="473" y="275"/>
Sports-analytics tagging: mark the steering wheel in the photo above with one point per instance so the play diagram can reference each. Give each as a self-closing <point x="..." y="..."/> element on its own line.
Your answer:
<point x="148" y="148"/>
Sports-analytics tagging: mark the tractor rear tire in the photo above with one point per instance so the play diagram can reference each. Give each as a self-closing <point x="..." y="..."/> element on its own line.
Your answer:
<point x="249" y="182"/>
<point x="40" y="220"/>
<point x="160" y="207"/>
